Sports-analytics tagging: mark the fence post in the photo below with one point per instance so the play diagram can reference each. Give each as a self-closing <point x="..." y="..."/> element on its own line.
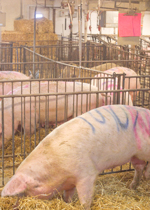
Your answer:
<point x="87" y="52"/>
<point x="104" y="52"/>
<point x="118" y="88"/>
<point x="24" y="59"/>
<point x="61" y="47"/>
<point x="11" y="52"/>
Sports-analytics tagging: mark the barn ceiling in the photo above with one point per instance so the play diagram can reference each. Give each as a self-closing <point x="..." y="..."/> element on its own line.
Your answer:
<point x="140" y="5"/>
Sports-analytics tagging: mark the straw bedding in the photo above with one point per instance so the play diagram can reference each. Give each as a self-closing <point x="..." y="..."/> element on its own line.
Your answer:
<point x="111" y="191"/>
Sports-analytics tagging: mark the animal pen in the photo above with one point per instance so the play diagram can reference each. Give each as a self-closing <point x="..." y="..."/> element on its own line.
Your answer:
<point x="55" y="65"/>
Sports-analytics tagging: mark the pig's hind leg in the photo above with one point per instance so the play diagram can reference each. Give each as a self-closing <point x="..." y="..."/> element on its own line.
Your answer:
<point x="139" y="166"/>
<point x="147" y="171"/>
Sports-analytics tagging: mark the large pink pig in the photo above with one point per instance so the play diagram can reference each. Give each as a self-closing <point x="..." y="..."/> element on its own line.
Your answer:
<point x="111" y="97"/>
<point x="107" y="137"/>
<point x="132" y="83"/>
<point x="46" y="109"/>
<point x="10" y="75"/>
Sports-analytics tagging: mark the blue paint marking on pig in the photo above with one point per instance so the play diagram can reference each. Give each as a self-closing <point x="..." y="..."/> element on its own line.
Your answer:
<point x="135" y="122"/>
<point x="117" y="120"/>
<point x="119" y="124"/>
<point x="103" y="121"/>
<point x="93" y="129"/>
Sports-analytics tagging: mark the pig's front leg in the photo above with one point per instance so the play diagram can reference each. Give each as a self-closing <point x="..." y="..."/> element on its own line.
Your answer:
<point x="139" y="166"/>
<point x="85" y="190"/>
<point x="68" y="194"/>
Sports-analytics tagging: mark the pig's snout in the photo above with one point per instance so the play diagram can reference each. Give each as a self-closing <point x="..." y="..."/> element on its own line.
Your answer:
<point x="15" y="186"/>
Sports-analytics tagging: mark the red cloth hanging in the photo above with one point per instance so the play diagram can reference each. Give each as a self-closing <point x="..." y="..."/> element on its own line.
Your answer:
<point x="129" y="25"/>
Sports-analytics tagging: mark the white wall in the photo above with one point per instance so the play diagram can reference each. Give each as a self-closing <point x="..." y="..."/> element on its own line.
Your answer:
<point x="12" y="9"/>
<point x="146" y="24"/>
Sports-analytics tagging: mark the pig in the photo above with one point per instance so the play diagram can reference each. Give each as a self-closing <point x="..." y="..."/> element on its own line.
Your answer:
<point x="74" y="72"/>
<point x="104" y="66"/>
<point x="132" y="83"/>
<point x="107" y="137"/>
<point x="45" y="110"/>
<point x="112" y="97"/>
<point x="10" y="75"/>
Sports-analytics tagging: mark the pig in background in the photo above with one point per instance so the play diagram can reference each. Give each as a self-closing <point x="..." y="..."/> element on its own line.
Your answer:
<point x="104" y="66"/>
<point x="130" y="83"/>
<point x="107" y="137"/>
<point x="11" y="75"/>
<point x="73" y="72"/>
<point x="46" y="109"/>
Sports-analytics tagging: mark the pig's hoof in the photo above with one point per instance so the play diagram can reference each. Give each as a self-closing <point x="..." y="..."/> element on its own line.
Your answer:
<point x="133" y="186"/>
<point x="146" y="176"/>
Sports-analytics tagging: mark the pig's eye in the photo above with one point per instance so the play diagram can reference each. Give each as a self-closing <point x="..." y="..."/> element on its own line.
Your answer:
<point x="36" y="186"/>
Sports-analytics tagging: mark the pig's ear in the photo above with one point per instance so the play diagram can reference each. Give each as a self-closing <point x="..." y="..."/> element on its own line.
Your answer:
<point x="15" y="186"/>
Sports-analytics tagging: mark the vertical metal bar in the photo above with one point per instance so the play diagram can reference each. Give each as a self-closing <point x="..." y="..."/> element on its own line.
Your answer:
<point x="39" y="109"/>
<point x="74" y="99"/>
<point x="114" y="94"/>
<point x="17" y="56"/>
<point x="35" y="123"/>
<point x="24" y="59"/>
<point x="46" y="116"/>
<point x="80" y="35"/>
<point x="0" y="47"/>
<point x="118" y="87"/>
<point x="13" y="142"/>
<point x="31" y="98"/>
<point x="65" y="102"/>
<point x="57" y="98"/>
<point x="76" y="105"/>
<point x="21" y="16"/>
<point x="2" y="114"/>
<point x="24" y="111"/>
<point x="21" y="119"/>
<point x="81" y="96"/>
<point x="34" y="41"/>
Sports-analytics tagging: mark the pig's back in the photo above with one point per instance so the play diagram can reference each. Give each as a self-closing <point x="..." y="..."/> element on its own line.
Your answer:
<point x="102" y="138"/>
<point x="111" y="130"/>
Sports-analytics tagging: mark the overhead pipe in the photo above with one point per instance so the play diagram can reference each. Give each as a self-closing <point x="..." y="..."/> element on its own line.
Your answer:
<point x="21" y="16"/>
<point x="71" y="21"/>
<point x="80" y="35"/>
<point x="34" y="41"/>
<point x="86" y="22"/>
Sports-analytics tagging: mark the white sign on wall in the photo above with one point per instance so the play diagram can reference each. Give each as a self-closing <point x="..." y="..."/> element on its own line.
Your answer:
<point x="111" y="19"/>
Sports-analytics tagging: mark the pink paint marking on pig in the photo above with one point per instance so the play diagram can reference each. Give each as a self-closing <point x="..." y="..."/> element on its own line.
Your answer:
<point x="132" y="83"/>
<point x="143" y="126"/>
<point x="108" y="84"/>
<point x="105" y="139"/>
